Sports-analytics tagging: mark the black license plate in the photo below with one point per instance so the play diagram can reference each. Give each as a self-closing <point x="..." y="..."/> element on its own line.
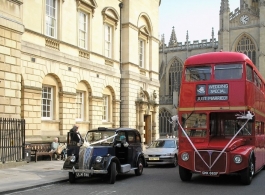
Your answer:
<point x="210" y="173"/>
<point x="82" y="175"/>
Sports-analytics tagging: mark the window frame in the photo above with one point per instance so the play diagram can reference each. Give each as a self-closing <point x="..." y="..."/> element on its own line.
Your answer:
<point x="108" y="31"/>
<point x="51" y="103"/>
<point x="85" y="23"/>
<point x="81" y="107"/>
<point x="249" y="73"/>
<point x="141" y="47"/>
<point x="105" y="108"/>
<point x="246" y="45"/>
<point x="174" y="76"/>
<point x="47" y="16"/>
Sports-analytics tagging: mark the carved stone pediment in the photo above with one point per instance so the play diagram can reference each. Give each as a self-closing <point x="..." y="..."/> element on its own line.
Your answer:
<point x="18" y="2"/>
<point x="110" y="15"/>
<point x="144" y="32"/>
<point x="88" y="5"/>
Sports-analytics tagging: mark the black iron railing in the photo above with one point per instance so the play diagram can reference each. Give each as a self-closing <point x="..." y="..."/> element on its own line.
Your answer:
<point x="12" y="139"/>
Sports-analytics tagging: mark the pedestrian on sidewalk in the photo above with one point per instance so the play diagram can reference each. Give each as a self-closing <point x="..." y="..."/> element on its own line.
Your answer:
<point x="57" y="148"/>
<point x="75" y="135"/>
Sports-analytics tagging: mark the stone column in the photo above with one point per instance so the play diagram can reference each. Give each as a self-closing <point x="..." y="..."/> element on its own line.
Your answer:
<point x="11" y="30"/>
<point x="116" y="114"/>
<point x="95" y="112"/>
<point x="31" y="112"/>
<point x="141" y="122"/>
<point x="155" y="131"/>
<point x="261" y="56"/>
<point x="67" y="112"/>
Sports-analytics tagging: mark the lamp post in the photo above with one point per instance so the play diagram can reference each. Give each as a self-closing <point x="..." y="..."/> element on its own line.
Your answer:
<point x="121" y="6"/>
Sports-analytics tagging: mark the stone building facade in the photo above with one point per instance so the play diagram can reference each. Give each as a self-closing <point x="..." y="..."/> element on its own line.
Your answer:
<point x="87" y="62"/>
<point x="241" y="30"/>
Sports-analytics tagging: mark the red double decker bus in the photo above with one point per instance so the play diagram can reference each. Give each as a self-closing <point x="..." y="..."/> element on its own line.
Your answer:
<point x="221" y="116"/>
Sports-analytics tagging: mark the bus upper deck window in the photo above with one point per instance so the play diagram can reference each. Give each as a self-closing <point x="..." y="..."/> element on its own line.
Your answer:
<point x="228" y="71"/>
<point x="200" y="73"/>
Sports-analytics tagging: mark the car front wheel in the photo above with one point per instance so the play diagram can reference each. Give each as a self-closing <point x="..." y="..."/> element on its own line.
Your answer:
<point x="112" y="174"/>
<point x="140" y="167"/>
<point x="71" y="177"/>
<point x="175" y="163"/>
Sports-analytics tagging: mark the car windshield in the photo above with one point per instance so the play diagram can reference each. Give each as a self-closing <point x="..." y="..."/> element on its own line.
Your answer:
<point x="100" y="136"/>
<point x="163" y="144"/>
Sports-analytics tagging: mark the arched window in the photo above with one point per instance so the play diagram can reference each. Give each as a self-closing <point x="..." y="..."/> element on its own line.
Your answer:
<point x="110" y="22"/>
<point x="165" y="127"/>
<point x="246" y="46"/>
<point x="175" y="72"/>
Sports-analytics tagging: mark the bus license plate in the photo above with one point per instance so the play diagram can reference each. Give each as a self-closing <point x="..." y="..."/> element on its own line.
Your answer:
<point x="210" y="173"/>
<point x="153" y="158"/>
<point x="82" y="174"/>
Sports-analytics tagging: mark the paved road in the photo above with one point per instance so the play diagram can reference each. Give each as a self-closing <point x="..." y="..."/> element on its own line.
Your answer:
<point x="156" y="180"/>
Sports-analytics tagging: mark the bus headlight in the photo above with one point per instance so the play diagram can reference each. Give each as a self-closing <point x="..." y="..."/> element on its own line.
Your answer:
<point x="98" y="159"/>
<point x="237" y="159"/>
<point x="185" y="156"/>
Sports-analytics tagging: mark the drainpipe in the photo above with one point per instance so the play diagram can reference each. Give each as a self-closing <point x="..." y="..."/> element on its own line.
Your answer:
<point x="120" y="5"/>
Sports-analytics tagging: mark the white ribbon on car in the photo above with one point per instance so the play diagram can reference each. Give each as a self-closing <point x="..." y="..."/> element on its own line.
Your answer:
<point x="99" y="141"/>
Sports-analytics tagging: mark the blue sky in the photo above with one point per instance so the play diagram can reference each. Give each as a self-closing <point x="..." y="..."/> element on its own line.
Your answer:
<point x="196" y="16"/>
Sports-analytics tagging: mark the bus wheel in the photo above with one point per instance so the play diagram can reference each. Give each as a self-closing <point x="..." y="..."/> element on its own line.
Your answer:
<point x="185" y="174"/>
<point x="247" y="173"/>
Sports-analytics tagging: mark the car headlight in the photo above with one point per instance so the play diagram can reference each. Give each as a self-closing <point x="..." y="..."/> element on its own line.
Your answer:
<point x="72" y="158"/>
<point x="237" y="159"/>
<point x="99" y="159"/>
<point x="185" y="156"/>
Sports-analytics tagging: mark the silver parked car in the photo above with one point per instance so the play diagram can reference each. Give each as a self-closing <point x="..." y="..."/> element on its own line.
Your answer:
<point x="162" y="151"/>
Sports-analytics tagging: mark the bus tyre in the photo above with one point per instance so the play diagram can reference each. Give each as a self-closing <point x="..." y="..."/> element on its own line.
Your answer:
<point x="247" y="173"/>
<point x="112" y="174"/>
<point x="140" y="166"/>
<point x="185" y="174"/>
<point x="71" y="177"/>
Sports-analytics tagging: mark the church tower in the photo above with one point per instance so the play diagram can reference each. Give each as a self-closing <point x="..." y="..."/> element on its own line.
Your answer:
<point x="224" y="26"/>
<point x="243" y="30"/>
<point x="261" y="59"/>
<point x="173" y="39"/>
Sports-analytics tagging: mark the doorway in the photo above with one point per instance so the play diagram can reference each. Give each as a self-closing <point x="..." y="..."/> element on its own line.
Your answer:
<point x="147" y="128"/>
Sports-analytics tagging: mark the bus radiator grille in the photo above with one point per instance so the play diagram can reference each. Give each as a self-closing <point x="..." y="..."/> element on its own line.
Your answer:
<point x="209" y="157"/>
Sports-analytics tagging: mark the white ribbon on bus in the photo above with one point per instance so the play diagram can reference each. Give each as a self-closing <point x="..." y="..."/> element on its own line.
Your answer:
<point x="247" y="116"/>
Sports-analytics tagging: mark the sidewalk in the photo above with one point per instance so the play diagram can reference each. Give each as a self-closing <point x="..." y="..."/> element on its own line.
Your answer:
<point x="32" y="174"/>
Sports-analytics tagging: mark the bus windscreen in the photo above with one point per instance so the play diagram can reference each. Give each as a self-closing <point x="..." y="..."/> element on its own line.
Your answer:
<point x="198" y="73"/>
<point x="228" y="71"/>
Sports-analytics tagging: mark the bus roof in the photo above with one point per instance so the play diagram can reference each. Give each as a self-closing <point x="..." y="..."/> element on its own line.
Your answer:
<point x="221" y="57"/>
<point x="217" y="57"/>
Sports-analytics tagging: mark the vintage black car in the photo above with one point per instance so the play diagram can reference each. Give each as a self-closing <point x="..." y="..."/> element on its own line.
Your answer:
<point x="105" y="151"/>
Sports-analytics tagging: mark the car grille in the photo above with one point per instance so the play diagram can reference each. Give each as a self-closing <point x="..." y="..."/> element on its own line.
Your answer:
<point x="154" y="155"/>
<point x="85" y="155"/>
<point x="209" y="157"/>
